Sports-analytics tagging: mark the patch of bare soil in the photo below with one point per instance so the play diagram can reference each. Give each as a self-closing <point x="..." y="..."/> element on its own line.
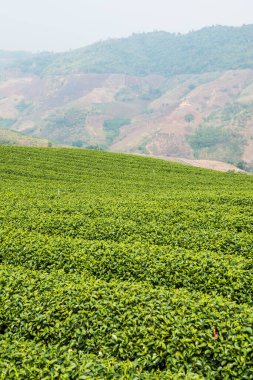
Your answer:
<point x="206" y="164"/>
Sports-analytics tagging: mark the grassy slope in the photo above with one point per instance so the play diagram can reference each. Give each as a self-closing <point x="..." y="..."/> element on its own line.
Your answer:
<point x="115" y="266"/>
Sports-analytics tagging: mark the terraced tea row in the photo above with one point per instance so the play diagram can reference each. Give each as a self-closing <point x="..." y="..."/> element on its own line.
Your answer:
<point x="227" y="275"/>
<point x="115" y="266"/>
<point x="158" y="328"/>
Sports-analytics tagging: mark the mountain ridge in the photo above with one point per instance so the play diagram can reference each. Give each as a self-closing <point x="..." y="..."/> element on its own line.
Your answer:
<point x="144" y="53"/>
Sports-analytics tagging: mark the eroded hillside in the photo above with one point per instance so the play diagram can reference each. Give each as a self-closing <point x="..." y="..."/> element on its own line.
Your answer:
<point x="159" y="93"/>
<point x="204" y="116"/>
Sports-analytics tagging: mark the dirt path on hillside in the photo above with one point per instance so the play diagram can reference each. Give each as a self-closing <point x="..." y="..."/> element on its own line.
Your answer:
<point x="207" y="164"/>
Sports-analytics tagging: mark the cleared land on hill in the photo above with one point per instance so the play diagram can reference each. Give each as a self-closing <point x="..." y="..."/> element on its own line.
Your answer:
<point x="117" y="266"/>
<point x="157" y="93"/>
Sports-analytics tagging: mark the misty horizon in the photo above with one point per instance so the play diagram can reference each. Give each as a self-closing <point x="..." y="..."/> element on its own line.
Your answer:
<point x="125" y="37"/>
<point x="63" y="25"/>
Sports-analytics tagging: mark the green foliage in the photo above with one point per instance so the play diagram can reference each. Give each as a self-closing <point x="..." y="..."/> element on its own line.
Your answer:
<point x="38" y="63"/>
<point x="189" y="117"/>
<point x="9" y="59"/>
<point x="66" y="126"/>
<point x="69" y="118"/>
<point x="191" y="86"/>
<point x="152" y="94"/>
<point x="22" y="105"/>
<point x="77" y="143"/>
<point x="6" y="123"/>
<point x="119" y="267"/>
<point x="5" y="141"/>
<point x="148" y="111"/>
<point x="96" y="147"/>
<point x="217" y="142"/>
<point x="236" y="113"/>
<point x="208" y="137"/>
<point x="112" y="128"/>
<point x="220" y="135"/>
<point x="245" y="166"/>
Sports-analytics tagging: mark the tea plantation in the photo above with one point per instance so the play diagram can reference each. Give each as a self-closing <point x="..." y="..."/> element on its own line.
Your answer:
<point x="122" y="267"/>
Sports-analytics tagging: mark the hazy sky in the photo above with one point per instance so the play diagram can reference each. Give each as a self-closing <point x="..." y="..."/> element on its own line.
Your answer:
<point x="59" y="25"/>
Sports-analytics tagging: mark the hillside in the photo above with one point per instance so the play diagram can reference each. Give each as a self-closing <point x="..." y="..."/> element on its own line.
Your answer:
<point x="10" y="59"/>
<point x="205" y="116"/>
<point x="216" y="48"/>
<point x="8" y="137"/>
<point x="188" y="96"/>
<point x="117" y="266"/>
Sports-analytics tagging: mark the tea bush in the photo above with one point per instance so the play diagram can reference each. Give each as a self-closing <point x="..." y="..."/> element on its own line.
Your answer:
<point x="121" y="267"/>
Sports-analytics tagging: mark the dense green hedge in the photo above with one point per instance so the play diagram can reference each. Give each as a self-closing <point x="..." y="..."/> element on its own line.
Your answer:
<point x="227" y="275"/>
<point x="115" y="266"/>
<point x="159" y="328"/>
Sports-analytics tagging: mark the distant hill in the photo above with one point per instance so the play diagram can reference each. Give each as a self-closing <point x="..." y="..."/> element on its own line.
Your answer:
<point x="188" y="96"/>
<point x="210" y="49"/>
<point x="14" y="59"/>
<point x="8" y="137"/>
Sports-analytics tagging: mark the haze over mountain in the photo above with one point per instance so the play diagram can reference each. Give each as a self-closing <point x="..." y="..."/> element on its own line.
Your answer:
<point x="60" y="25"/>
<point x="187" y="95"/>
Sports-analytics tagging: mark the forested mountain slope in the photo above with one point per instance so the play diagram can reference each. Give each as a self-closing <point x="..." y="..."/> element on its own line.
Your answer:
<point x="216" y="48"/>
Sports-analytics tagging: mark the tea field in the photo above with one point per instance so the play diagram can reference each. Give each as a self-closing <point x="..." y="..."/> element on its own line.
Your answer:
<point x="123" y="267"/>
